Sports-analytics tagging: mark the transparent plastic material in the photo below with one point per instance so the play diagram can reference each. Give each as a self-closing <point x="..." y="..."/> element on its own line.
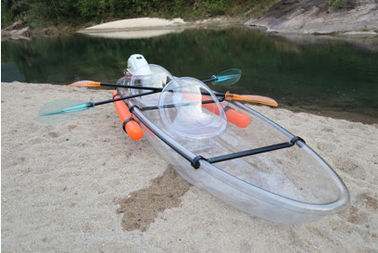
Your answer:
<point x="61" y="110"/>
<point x="159" y="78"/>
<point x="188" y="108"/>
<point x="227" y="77"/>
<point x="292" y="185"/>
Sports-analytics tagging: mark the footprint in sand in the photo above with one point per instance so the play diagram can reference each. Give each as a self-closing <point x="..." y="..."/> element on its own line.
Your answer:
<point x="352" y="168"/>
<point x="326" y="147"/>
<point x="142" y="207"/>
<point x="367" y="202"/>
<point x="53" y="134"/>
<point x="71" y="127"/>
<point x="355" y="215"/>
<point x="363" y="207"/>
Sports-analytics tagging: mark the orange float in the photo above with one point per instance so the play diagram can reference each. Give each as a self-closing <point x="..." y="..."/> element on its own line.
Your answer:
<point x="235" y="117"/>
<point x="131" y="127"/>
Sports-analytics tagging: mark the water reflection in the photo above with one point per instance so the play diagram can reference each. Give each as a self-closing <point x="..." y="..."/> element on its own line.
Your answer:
<point x="328" y="75"/>
<point x="10" y="72"/>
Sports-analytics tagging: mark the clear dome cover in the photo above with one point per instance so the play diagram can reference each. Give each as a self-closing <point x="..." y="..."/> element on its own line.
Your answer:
<point x="188" y="108"/>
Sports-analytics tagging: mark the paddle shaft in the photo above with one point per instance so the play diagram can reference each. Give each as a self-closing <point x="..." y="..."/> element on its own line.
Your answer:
<point x="139" y="95"/>
<point x="221" y="96"/>
<point x="123" y="98"/>
<point x="155" y="89"/>
<point x="214" y="78"/>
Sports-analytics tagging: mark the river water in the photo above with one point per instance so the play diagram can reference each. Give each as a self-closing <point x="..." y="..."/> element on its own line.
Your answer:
<point x="327" y="77"/>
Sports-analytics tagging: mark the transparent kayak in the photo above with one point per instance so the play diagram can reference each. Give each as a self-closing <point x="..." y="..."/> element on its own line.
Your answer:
<point x="259" y="168"/>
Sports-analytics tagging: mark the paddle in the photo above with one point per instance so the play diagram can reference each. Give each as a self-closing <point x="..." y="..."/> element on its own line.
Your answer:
<point x="226" y="77"/>
<point x="88" y="83"/>
<point x="84" y="106"/>
<point x="57" y="111"/>
<point x="59" y="108"/>
<point x="228" y="96"/>
<point x="53" y="109"/>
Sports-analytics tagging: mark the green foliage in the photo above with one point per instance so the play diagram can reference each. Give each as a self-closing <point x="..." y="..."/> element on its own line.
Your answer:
<point x="89" y="8"/>
<point x="337" y="4"/>
<point x="47" y="12"/>
<point x="210" y="8"/>
<point x="12" y="9"/>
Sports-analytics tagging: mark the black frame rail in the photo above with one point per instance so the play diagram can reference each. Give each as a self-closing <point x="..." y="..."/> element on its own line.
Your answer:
<point x="216" y="159"/>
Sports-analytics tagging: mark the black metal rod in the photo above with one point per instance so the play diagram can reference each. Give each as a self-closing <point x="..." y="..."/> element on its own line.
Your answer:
<point x="157" y="89"/>
<point x="149" y="108"/>
<point x="123" y="98"/>
<point x="132" y="86"/>
<point x="255" y="151"/>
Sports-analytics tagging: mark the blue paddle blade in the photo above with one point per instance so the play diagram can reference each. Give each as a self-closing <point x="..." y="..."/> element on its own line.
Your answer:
<point x="61" y="110"/>
<point x="227" y="77"/>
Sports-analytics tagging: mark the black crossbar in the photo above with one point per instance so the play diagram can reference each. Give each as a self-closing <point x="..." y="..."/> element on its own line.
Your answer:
<point x="255" y="151"/>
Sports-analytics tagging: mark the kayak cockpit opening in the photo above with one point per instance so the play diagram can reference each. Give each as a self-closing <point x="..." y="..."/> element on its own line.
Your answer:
<point x="187" y="107"/>
<point x="141" y="74"/>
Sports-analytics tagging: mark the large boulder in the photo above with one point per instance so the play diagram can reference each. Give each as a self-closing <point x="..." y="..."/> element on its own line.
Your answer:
<point x="16" y="31"/>
<point x="316" y="17"/>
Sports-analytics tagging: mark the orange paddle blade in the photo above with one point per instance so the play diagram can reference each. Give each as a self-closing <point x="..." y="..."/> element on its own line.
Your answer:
<point x="86" y="83"/>
<point x="251" y="99"/>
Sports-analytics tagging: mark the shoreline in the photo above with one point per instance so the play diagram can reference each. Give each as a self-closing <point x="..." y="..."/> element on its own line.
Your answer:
<point x="265" y="22"/>
<point x="323" y="112"/>
<point x="152" y="27"/>
<point x="66" y="186"/>
<point x="340" y="115"/>
<point x="270" y="22"/>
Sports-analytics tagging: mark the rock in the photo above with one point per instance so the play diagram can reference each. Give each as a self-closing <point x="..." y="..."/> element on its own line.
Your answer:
<point x="315" y="17"/>
<point x="50" y="31"/>
<point x="16" y="31"/>
<point x="16" y="25"/>
<point x="21" y="34"/>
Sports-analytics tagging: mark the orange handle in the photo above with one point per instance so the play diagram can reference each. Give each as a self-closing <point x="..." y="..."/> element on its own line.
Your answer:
<point x="251" y="98"/>
<point x="85" y="83"/>
<point x="132" y="128"/>
<point x="235" y="117"/>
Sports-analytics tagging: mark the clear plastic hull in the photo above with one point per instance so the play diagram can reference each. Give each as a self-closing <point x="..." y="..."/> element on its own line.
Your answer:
<point x="291" y="185"/>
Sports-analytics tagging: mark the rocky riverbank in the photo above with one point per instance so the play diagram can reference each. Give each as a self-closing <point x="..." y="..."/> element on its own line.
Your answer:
<point x="359" y="17"/>
<point x="20" y="30"/>
<point x="16" y="31"/>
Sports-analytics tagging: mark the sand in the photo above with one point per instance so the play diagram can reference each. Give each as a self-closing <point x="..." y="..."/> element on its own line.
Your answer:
<point x="136" y="28"/>
<point x="70" y="187"/>
<point x="146" y="27"/>
<point x="140" y="34"/>
<point x="133" y="23"/>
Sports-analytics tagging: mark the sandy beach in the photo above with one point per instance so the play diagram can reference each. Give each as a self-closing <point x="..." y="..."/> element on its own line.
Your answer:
<point x="146" y="27"/>
<point x="83" y="186"/>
